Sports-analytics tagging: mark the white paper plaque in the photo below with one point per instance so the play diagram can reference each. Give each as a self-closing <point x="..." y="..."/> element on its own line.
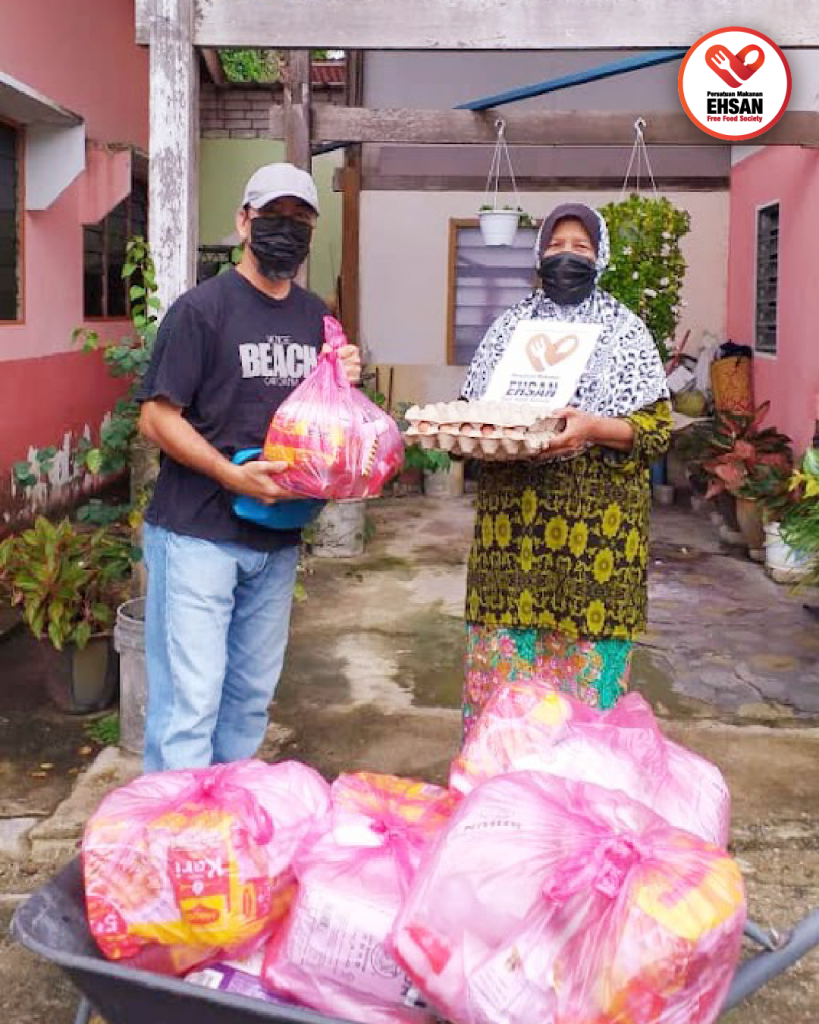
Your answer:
<point x="543" y="362"/>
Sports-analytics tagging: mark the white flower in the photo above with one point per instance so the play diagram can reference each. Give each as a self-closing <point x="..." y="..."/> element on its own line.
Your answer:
<point x="635" y="276"/>
<point x="666" y="235"/>
<point x="664" y="282"/>
<point x="627" y="251"/>
<point x="666" y="250"/>
<point x="650" y="293"/>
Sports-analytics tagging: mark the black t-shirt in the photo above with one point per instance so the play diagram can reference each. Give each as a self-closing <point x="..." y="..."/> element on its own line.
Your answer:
<point x="228" y="355"/>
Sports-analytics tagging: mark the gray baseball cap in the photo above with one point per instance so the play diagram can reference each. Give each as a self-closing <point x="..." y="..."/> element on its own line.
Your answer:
<point x="276" y="180"/>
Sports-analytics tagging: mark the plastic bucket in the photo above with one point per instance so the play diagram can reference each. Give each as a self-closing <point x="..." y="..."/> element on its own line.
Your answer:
<point x="499" y="227"/>
<point x="129" y="640"/>
<point x="339" y="530"/>
<point x="783" y="563"/>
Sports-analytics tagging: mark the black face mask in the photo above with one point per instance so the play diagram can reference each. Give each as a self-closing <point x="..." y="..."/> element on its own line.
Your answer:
<point x="567" y="279"/>
<point x="280" y="244"/>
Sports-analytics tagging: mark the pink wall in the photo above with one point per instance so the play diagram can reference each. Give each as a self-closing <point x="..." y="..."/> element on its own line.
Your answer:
<point x="790" y="379"/>
<point x="82" y="55"/>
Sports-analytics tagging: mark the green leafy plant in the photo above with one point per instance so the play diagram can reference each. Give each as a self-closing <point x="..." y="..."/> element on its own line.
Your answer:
<point x="105" y="730"/>
<point x="741" y="459"/>
<point x="800" y="522"/>
<point x="428" y="460"/>
<point x="128" y="357"/>
<point x="647" y="267"/>
<point x="66" y="580"/>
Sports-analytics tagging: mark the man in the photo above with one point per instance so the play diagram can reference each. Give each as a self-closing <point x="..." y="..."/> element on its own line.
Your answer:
<point x="220" y="588"/>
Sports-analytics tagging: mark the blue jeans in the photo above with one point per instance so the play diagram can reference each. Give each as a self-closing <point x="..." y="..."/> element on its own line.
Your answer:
<point x="217" y="619"/>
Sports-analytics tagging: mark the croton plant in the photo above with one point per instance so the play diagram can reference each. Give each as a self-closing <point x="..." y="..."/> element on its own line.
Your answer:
<point x="746" y="461"/>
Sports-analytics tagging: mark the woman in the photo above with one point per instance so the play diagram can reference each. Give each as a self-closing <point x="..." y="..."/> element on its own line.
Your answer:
<point x="556" y="587"/>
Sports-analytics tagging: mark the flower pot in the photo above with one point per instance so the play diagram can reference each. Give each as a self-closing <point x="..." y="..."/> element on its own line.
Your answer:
<point x="129" y="640"/>
<point x="81" y="682"/>
<point x="663" y="494"/>
<point x="445" y="483"/>
<point x="499" y="227"/>
<point x="749" y="517"/>
<point x="409" y="481"/>
<point x="782" y="562"/>
<point x="339" y="530"/>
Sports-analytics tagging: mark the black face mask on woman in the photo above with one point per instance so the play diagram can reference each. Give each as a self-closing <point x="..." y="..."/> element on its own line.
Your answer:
<point x="567" y="279"/>
<point x="280" y="244"/>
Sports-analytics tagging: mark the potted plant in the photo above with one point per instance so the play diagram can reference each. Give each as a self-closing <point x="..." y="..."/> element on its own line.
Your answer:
<point x="647" y="268"/>
<point x="799" y="526"/>
<point x="500" y="226"/>
<point x="67" y="582"/>
<point x="747" y="463"/>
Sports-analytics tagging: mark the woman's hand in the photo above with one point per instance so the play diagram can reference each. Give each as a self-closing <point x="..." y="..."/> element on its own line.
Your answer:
<point x="582" y="429"/>
<point x="350" y="358"/>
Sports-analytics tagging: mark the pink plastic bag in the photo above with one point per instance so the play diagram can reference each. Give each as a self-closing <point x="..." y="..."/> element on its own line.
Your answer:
<point x="336" y="442"/>
<point x="184" y="867"/>
<point x="331" y="954"/>
<point x="564" y="903"/>
<point x="528" y="726"/>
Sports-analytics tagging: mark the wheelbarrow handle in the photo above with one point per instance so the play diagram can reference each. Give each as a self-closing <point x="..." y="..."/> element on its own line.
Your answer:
<point x="759" y="970"/>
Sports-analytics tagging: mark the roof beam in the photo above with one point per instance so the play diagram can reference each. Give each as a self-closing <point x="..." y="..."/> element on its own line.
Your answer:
<point x="487" y="24"/>
<point x="541" y="128"/>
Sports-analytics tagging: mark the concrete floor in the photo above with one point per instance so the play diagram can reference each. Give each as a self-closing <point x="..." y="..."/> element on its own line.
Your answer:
<point x="731" y="664"/>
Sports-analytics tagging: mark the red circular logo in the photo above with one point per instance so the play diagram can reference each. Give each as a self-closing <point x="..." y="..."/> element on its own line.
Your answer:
<point x="735" y="83"/>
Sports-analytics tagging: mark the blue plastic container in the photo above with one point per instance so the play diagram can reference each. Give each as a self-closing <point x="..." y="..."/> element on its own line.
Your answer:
<point x="283" y="515"/>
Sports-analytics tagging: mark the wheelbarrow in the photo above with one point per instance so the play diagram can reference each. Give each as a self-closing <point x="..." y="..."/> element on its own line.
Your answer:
<point x="53" y="924"/>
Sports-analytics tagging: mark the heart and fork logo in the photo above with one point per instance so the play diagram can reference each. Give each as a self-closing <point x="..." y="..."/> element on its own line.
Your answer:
<point x="735" y="69"/>
<point x="543" y="351"/>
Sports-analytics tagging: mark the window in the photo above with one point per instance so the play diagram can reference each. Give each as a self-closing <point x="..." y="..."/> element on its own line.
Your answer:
<point x="767" y="277"/>
<point x="484" y="281"/>
<point x="104" y="245"/>
<point x="212" y="260"/>
<point x="9" y="222"/>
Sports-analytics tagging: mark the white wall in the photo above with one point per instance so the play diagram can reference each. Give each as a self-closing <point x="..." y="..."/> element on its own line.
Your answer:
<point x="405" y="265"/>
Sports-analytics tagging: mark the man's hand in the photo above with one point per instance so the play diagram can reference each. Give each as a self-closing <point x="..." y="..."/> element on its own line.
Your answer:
<point x="350" y="358"/>
<point x="257" y="480"/>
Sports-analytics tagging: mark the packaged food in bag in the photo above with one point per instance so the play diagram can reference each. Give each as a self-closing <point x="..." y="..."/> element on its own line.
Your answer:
<point x="528" y="726"/>
<point x="184" y="867"/>
<point x="564" y="903"/>
<point x="332" y="953"/>
<point x="336" y="443"/>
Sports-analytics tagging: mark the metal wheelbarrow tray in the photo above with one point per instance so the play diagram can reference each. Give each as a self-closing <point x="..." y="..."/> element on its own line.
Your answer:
<point x="53" y="924"/>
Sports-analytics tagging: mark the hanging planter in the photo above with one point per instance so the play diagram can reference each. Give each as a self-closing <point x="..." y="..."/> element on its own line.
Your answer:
<point x="499" y="227"/>
<point x="647" y="268"/>
<point x="499" y="224"/>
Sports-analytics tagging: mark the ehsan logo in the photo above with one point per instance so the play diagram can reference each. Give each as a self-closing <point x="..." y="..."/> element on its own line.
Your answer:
<point x="735" y="83"/>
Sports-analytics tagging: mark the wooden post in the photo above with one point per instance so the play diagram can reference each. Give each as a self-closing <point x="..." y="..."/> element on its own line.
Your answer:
<point x="174" y="140"/>
<point x="297" y="80"/>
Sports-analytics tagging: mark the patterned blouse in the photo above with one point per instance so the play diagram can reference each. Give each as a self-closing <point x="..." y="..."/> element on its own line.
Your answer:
<point x="564" y="545"/>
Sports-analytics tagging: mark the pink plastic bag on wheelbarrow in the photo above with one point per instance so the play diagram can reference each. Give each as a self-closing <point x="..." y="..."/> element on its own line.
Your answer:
<point x="331" y="954"/>
<point x="564" y="903"/>
<point x="337" y="443"/>
<point x="183" y="867"/>
<point x="528" y="726"/>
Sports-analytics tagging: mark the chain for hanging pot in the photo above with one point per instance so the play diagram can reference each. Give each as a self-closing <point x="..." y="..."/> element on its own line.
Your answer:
<point x="639" y="154"/>
<point x="493" y="178"/>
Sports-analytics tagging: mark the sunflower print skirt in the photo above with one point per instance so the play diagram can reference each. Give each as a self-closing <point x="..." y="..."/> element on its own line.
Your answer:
<point x="594" y="671"/>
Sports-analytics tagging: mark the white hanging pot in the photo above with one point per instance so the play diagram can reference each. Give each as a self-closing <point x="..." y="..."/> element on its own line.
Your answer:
<point x="499" y="227"/>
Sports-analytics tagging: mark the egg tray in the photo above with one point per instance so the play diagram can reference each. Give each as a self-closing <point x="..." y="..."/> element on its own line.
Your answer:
<point x="491" y="431"/>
